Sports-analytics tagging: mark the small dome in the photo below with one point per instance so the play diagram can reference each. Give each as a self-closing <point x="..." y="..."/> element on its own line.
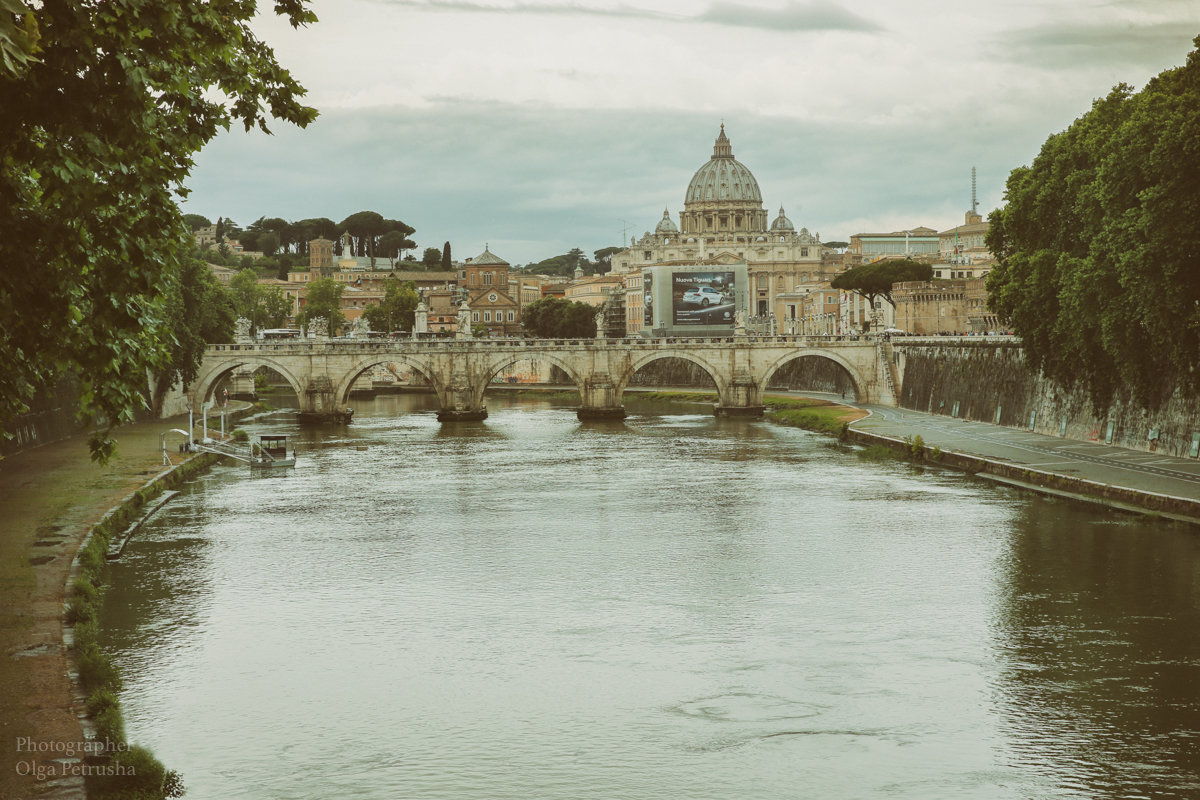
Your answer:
<point x="665" y="225"/>
<point x="782" y="223"/>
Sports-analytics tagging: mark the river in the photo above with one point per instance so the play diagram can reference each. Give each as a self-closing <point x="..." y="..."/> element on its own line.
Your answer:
<point x="671" y="607"/>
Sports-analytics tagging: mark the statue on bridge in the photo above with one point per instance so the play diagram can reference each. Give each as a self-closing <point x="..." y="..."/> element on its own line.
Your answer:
<point x="739" y="322"/>
<point x="241" y="330"/>
<point x="464" y="320"/>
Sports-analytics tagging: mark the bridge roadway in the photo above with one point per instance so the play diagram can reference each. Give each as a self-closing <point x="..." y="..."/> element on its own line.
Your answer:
<point x="323" y="371"/>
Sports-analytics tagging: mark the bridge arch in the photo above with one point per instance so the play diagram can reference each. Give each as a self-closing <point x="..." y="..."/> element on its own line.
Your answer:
<point x="502" y="361"/>
<point x="855" y="376"/>
<point x="719" y="379"/>
<point x="357" y="368"/>
<point x="213" y="370"/>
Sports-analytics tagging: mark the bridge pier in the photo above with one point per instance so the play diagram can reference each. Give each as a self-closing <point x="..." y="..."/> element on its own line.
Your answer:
<point x="460" y="400"/>
<point x="601" y="398"/>
<point x="318" y="402"/>
<point x="741" y="397"/>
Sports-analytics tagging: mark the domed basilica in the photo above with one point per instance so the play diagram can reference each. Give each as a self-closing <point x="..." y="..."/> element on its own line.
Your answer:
<point x="724" y="222"/>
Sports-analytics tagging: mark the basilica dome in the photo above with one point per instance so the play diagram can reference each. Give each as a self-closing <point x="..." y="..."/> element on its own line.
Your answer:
<point x="723" y="178"/>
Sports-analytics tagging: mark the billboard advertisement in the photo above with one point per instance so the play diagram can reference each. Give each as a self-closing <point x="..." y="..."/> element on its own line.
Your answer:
<point x="702" y="298"/>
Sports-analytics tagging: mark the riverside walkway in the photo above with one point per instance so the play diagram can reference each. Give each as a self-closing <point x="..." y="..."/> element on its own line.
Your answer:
<point x="1138" y="470"/>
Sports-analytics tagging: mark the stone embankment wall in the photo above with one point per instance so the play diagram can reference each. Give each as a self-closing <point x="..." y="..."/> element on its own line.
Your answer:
<point x="989" y="382"/>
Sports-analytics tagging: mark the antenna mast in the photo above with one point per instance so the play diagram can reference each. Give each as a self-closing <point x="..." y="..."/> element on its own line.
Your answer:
<point x="624" y="229"/>
<point x="974" y="202"/>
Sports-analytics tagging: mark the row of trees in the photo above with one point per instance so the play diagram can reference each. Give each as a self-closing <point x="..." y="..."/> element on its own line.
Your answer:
<point x="568" y="262"/>
<point x="371" y="234"/>
<point x="1098" y="248"/>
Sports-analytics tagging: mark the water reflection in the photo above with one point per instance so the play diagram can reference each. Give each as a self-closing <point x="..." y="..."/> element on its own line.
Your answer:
<point x="1099" y="680"/>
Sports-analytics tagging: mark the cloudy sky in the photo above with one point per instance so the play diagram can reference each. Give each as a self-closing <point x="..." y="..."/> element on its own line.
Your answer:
<point x="540" y="125"/>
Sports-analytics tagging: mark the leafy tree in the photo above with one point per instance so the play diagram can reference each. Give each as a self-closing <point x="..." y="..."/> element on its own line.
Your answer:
<point x="836" y="245"/>
<point x="446" y="264"/>
<point x="195" y="222"/>
<point x="197" y="312"/>
<point x="276" y="307"/>
<point x="876" y="280"/>
<point x="392" y="243"/>
<point x="95" y="138"/>
<point x="19" y="36"/>
<point x="268" y="243"/>
<point x="604" y="259"/>
<point x="397" y="310"/>
<point x="365" y="228"/>
<point x="246" y="296"/>
<point x="323" y="299"/>
<point x="558" y="318"/>
<point x="432" y="258"/>
<point x="1097" y="245"/>
<point x="562" y="265"/>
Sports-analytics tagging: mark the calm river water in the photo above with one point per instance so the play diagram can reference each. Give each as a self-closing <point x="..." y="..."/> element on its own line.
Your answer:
<point x="672" y="607"/>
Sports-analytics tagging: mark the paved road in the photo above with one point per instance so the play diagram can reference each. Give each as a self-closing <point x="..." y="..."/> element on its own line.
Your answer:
<point x="1135" y="469"/>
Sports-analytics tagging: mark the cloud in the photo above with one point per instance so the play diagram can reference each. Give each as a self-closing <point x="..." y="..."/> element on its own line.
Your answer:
<point x="812" y="16"/>
<point x="535" y="182"/>
<point x="1083" y="45"/>
<point x="795" y="16"/>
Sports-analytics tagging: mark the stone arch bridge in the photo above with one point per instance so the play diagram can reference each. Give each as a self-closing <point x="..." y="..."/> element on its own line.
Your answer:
<point x="322" y="371"/>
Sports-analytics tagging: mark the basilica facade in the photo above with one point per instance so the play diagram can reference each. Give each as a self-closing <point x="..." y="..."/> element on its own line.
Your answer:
<point x="724" y="222"/>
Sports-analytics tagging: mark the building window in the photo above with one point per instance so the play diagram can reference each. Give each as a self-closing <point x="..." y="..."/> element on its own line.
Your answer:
<point x="804" y="252"/>
<point x="762" y="281"/>
<point x="487" y="316"/>
<point x="512" y="316"/>
<point x="487" y="279"/>
<point x="646" y="255"/>
<point x="474" y="316"/>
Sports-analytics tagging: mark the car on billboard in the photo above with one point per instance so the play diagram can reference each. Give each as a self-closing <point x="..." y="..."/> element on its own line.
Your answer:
<point x="703" y="296"/>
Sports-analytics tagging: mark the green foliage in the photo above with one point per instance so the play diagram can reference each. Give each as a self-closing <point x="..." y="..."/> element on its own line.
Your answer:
<point x="324" y="299"/>
<point x="397" y="310"/>
<point x="876" y="280"/>
<point x="1097" y="245"/>
<point x="393" y="243"/>
<point x="604" y="259"/>
<point x="366" y="229"/>
<point x="96" y="137"/>
<point x="557" y="318"/>
<point x="197" y="311"/>
<point x="431" y="259"/>
<point x="916" y="447"/>
<point x="19" y="37"/>
<point x="135" y="774"/>
<point x="562" y="265"/>
<point x="96" y="669"/>
<point x="447" y="264"/>
<point x="195" y="222"/>
<point x="264" y="306"/>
